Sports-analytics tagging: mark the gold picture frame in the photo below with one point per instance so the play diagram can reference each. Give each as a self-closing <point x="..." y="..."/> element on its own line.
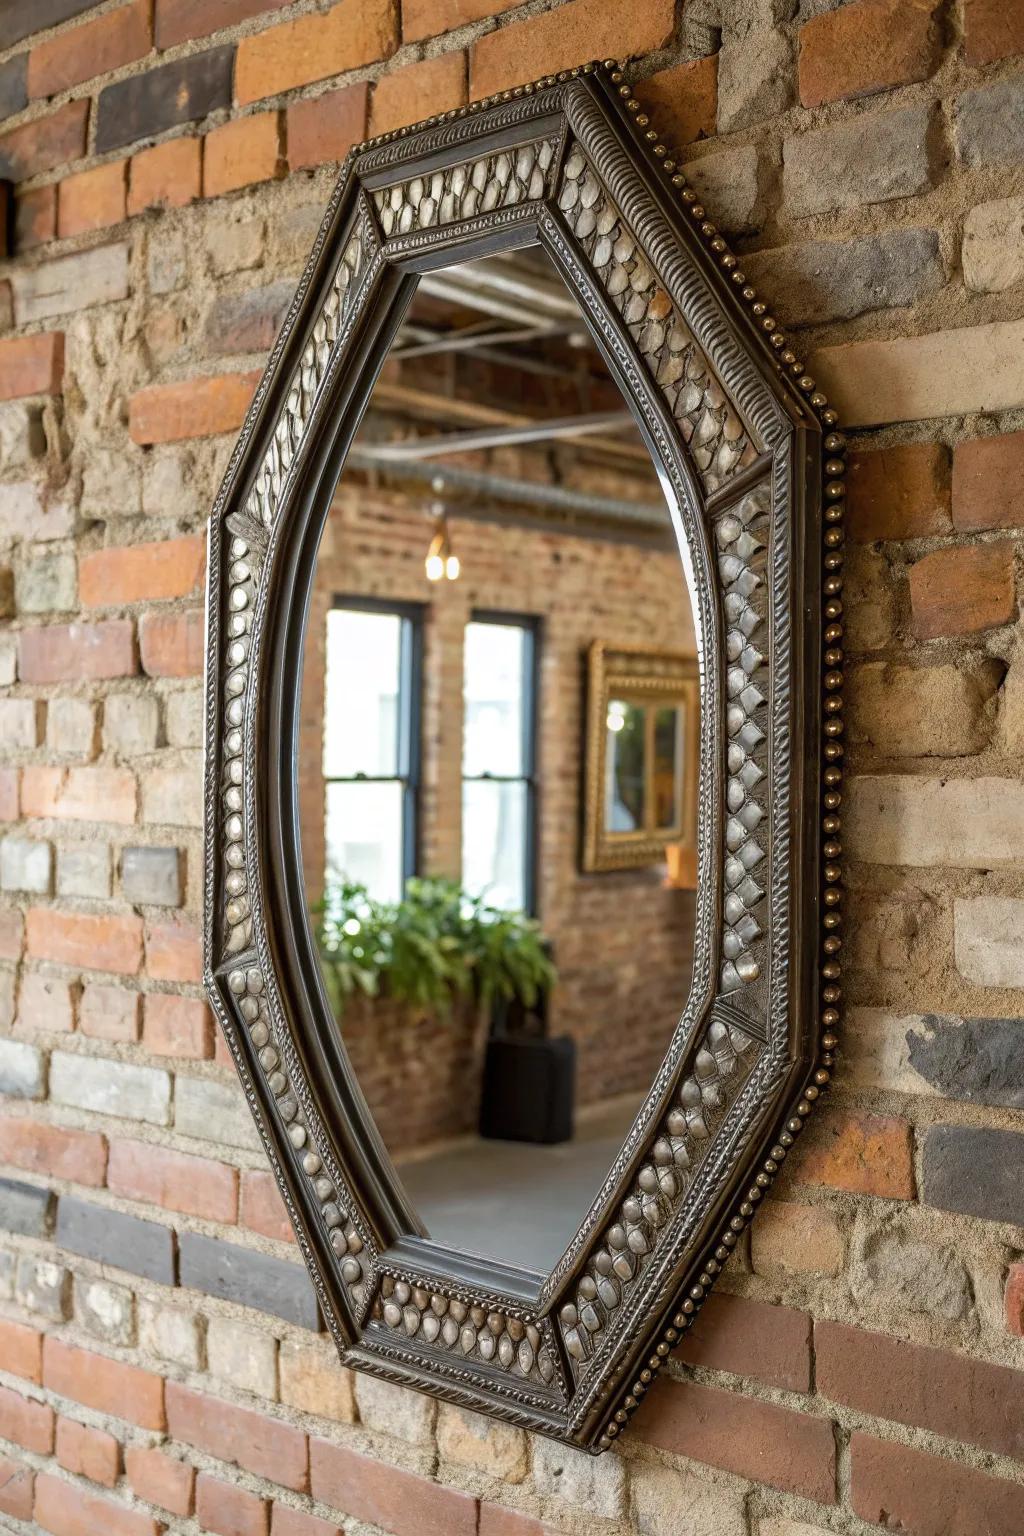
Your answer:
<point x="640" y="772"/>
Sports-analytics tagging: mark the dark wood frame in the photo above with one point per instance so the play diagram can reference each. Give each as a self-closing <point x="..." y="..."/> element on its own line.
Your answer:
<point x="739" y="434"/>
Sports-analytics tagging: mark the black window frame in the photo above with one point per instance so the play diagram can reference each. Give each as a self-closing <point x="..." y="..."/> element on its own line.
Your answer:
<point x="410" y="718"/>
<point x="530" y="624"/>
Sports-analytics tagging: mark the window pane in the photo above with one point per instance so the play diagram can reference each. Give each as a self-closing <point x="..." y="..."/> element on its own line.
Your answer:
<point x="493" y="700"/>
<point x="494" y="842"/>
<point x="364" y="837"/>
<point x="361" y="715"/>
<point x="624" y="767"/>
<point x="668" y="766"/>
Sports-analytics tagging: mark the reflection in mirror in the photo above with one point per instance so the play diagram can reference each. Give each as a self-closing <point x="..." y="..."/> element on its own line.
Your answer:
<point x="497" y="570"/>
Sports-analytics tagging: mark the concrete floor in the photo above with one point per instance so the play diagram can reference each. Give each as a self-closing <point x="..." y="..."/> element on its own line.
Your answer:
<point x="514" y="1201"/>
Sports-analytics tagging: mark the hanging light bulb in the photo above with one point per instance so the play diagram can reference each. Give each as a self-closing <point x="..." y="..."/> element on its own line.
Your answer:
<point x="440" y="561"/>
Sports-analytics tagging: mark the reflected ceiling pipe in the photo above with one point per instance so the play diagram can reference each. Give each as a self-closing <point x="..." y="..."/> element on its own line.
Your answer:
<point x="411" y="449"/>
<point x="646" y="516"/>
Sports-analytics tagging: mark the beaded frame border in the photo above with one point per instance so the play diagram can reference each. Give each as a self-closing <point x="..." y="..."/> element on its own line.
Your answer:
<point x="348" y="1216"/>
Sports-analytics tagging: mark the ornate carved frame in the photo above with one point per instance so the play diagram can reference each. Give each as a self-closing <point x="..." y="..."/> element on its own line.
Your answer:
<point x="637" y="673"/>
<point x="748" y="454"/>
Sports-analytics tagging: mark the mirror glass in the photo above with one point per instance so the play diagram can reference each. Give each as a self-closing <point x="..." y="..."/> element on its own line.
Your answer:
<point x="500" y="524"/>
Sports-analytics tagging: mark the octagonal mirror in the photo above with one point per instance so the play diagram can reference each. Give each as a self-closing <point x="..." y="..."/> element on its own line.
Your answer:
<point x="515" y="784"/>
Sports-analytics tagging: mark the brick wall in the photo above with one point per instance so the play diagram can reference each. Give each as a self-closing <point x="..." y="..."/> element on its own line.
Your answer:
<point x="863" y="1365"/>
<point x="623" y="943"/>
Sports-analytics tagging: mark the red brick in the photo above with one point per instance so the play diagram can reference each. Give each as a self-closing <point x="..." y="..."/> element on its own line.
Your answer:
<point x="167" y="413"/>
<point x="314" y="48"/>
<point x="16" y="1488"/>
<point x="293" y="1522"/>
<point x="173" y="644"/>
<point x="174" y="952"/>
<point x="95" y="48"/>
<point x="324" y="129"/>
<point x="107" y="942"/>
<point x="963" y="591"/>
<point x="1013" y="1300"/>
<point x="239" y="1436"/>
<point x="757" y="1440"/>
<point x="32" y="365"/>
<point x="683" y="100"/>
<point x="67" y="1510"/>
<point x="178" y="1026"/>
<point x="166" y="176"/>
<point x="179" y="21"/>
<point x="21" y="1350"/>
<point x="26" y="1422"/>
<point x="262" y="1209"/>
<point x="10" y="779"/>
<point x="71" y="653"/>
<point x="160" y="1479"/>
<point x="399" y="1501"/>
<point x="418" y="91"/>
<point x="899" y="493"/>
<point x="427" y="18"/>
<point x="45" y="143"/>
<point x="243" y="152"/>
<point x="751" y="1338"/>
<point x="922" y="1495"/>
<point x="495" y="1520"/>
<point x="79" y="794"/>
<point x="109" y="1386"/>
<point x="993" y="29"/>
<point x="135" y="573"/>
<point x="869" y="46"/>
<point x="50" y="1149"/>
<point x="92" y="199"/>
<point x="35" y="217"/>
<point x="864" y="1154"/>
<point x="197" y="1186"/>
<point x="108" y="1013"/>
<point x="952" y="1395"/>
<point x="88" y="1452"/>
<point x="988" y="481"/>
<point x="228" y="1510"/>
<point x="12" y="933"/>
<point x="572" y="34"/>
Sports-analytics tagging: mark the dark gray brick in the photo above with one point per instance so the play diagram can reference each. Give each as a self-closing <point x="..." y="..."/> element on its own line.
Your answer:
<point x="975" y="1171"/>
<point x="13" y="94"/>
<point x="252" y="1279"/>
<point x="838" y="279"/>
<point x="25" y="1209"/>
<point x="147" y="104"/>
<point x="990" y="124"/>
<point x="979" y="1060"/>
<point x="111" y="1237"/>
<point x="247" y="322"/>
<point x="151" y="876"/>
<point x="20" y="18"/>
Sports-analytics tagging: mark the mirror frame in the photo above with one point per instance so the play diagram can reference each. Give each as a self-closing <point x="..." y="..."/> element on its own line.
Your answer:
<point x="741" y="438"/>
<point x="638" y="674"/>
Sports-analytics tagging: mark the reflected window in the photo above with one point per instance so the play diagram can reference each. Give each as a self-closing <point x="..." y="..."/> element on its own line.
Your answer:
<point x="371" y="744"/>
<point x="498" y="759"/>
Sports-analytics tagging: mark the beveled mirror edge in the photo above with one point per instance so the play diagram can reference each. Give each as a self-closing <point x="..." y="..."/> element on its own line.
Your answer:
<point x="800" y="1090"/>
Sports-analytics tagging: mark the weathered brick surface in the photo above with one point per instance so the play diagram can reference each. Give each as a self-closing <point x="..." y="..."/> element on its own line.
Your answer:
<point x="868" y="46"/>
<point x="749" y="1438"/>
<point x="909" y="1489"/>
<point x="180" y="92"/>
<point x="325" y="128"/>
<point x="238" y="1436"/>
<point x="888" y="220"/>
<point x="314" y="47"/>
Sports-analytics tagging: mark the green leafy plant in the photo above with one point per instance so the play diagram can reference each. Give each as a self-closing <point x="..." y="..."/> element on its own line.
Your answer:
<point x="434" y="946"/>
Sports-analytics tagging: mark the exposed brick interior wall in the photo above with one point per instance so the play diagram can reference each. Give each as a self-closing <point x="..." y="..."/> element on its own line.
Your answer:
<point x="622" y="941"/>
<point x="862" y="1366"/>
